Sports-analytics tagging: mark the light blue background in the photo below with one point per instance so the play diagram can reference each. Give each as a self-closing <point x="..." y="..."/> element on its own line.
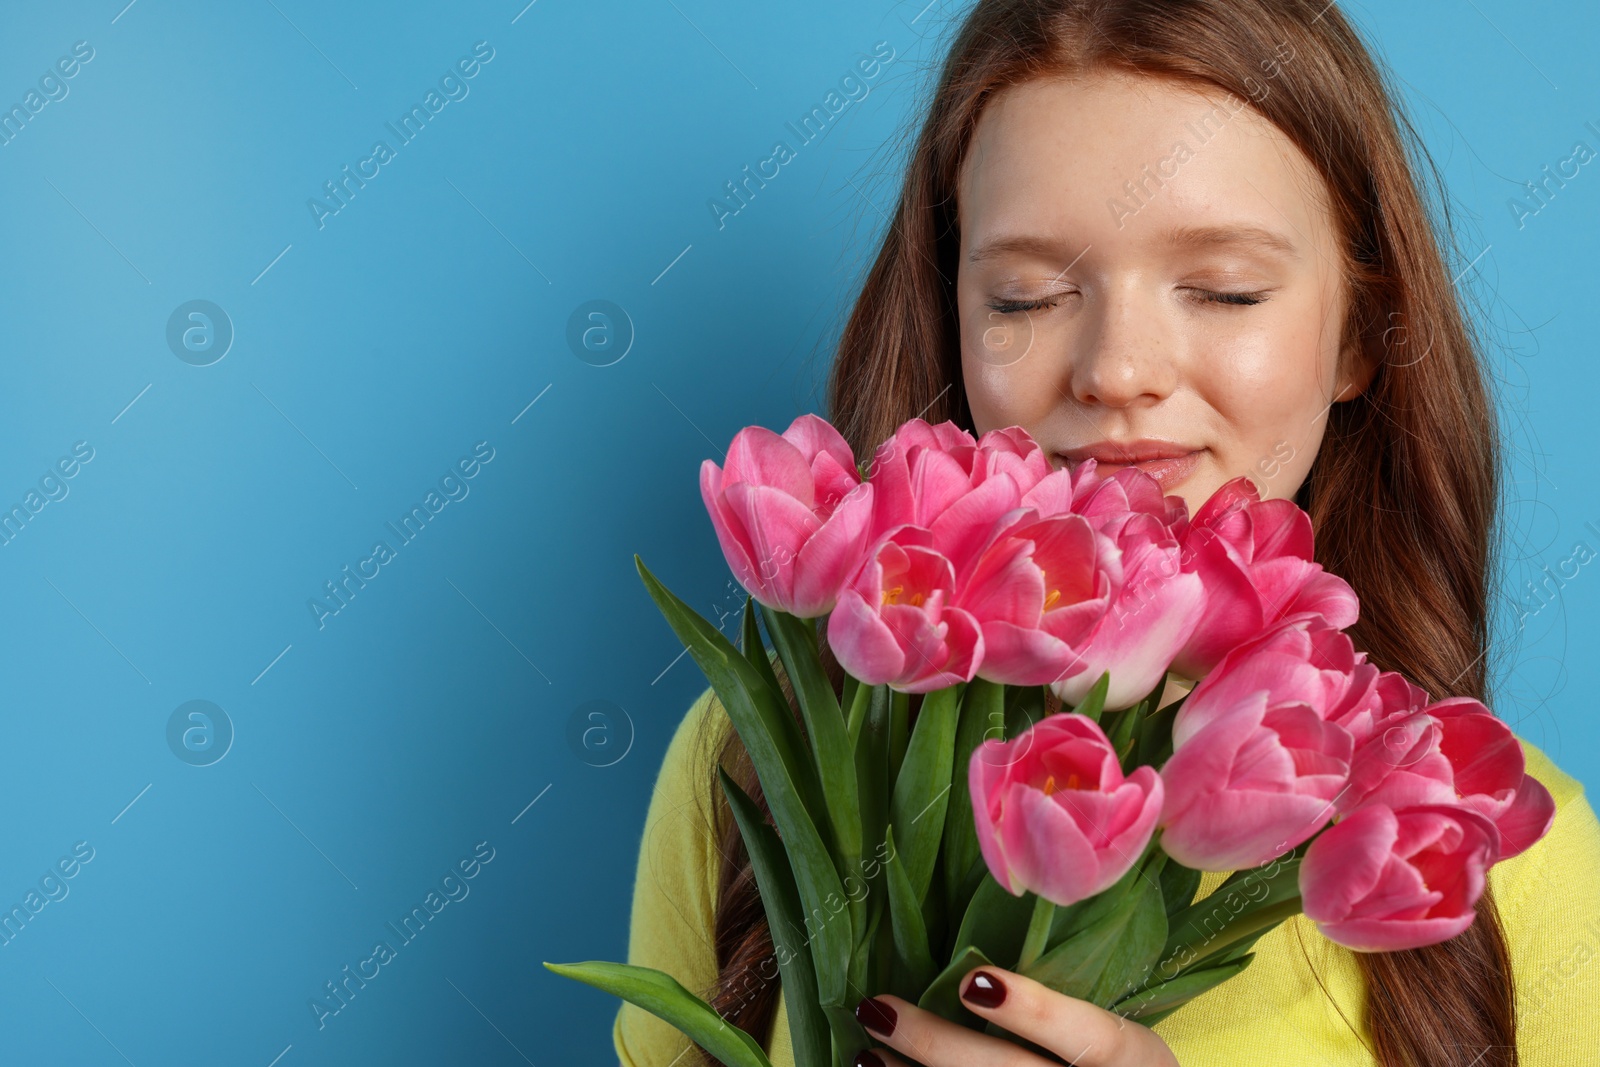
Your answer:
<point x="426" y="316"/>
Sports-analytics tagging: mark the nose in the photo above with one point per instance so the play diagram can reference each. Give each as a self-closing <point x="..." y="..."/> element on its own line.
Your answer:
<point x="1122" y="357"/>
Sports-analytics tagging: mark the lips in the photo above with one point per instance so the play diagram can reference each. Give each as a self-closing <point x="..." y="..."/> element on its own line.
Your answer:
<point x="1168" y="462"/>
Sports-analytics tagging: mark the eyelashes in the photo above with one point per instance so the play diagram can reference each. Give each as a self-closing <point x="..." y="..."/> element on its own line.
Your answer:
<point x="1204" y="296"/>
<point x="1011" y="307"/>
<point x="1235" y="299"/>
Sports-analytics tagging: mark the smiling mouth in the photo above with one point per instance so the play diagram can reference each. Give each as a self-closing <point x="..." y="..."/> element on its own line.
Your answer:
<point x="1168" y="470"/>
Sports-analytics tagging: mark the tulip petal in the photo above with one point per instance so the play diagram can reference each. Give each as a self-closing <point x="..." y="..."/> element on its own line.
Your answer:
<point x="1137" y="646"/>
<point x="1046" y="847"/>
<point x="831" y="555"/>
<point x="1528" y="819"/>
<point x="863" y="644"/>
<point x="758" y="456"/>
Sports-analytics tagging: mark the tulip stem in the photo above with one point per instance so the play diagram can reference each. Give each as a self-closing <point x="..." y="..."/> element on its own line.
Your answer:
<point x="899" y="730"/>
<point x="856" y="712"/>
<point x="1038" y="936"/>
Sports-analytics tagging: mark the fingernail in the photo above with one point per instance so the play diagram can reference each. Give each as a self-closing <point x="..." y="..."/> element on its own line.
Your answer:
<point x="985" y="990"/>
<point x="876" y="1016"/>
<point x="868" y="1058"/>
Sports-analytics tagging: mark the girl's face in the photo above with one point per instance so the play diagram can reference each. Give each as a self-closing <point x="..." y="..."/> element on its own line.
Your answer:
<point x="1150" y="269"/>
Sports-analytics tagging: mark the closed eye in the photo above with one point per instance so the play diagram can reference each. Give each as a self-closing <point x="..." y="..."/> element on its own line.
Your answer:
<point x="1011" y="307"/>
<point x="1208" y="296"/>
<point x="1244" y="299"/>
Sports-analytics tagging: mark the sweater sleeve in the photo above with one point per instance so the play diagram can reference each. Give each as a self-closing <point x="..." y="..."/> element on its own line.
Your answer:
<point x="674" y="892"/>
<point x="1549" y="897"/>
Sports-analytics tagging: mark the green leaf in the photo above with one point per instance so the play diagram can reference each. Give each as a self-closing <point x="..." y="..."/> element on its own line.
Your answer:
<point x="1094" y="701"/>
<point x="1136" y="952"/>
<point x="808" y="1027"/>
<point x="910" y="935"/>
<point x="935" y="917"/>
<point x="1247" y="904"/>
<point x="1095" y="910"/>
<point x="788" y="780"/>
<point x="1157" y="1000"/>
<point x="848" y="1033"/>
<point x="869" y="728"/>
<point x="880" y="960"/>
<point x="741" y="690"/>
<point x="943" y="995"/>
<point x="1103" y="961"/>
<point x="1025" y="706"/>
<point x="1234" y="939"/>
<point x="756" y="651"/>
<point x="982" y="714"/>
<point x="1124" y="731"/>
<point x="1237" y="950"/>
<point x="872" y="765"/>
<point x="922" y="788"/>
<point x="1178" y="885"/>
<point x="661" y="995"/>
<point x="796" y="641"/>
<point x="1154" y="744"/>
<point x="872" y="957"/>
<point x="995" y="921"/>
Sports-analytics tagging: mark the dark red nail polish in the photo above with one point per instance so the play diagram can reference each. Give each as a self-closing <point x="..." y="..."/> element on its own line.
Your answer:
<point x="868" y="1058"/>
<point x="985" y="990"/>
<point x="876" y="1016"/>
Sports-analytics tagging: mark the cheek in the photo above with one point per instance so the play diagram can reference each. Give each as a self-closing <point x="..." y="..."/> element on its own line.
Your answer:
<point x="1271" y="390"/>
<point x="1006" y="372"/>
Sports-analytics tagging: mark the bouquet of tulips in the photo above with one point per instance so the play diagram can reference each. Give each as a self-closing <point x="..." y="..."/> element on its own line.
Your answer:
<point x="1043" y="811"/>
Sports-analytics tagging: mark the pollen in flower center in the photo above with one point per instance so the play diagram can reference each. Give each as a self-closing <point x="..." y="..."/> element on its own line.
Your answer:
<point x="1050" y="782"/>
<point x="892" y="596"/>
<point x="1052" y="595"/>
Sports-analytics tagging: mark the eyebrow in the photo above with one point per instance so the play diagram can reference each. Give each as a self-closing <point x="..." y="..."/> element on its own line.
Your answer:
<point x="1204" y="236"/>
<point x="1025" y="243"/>
<point x="1181" y="237"/>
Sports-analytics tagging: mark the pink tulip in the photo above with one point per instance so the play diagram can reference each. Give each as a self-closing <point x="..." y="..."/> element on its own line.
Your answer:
<point x="1014" y="453"/>
<point x="922" y="470"/>
<point x="1490" y="773"/>
<point x="1054" y="813"/>
<point x="1096" y="494"/>
<point x="895" y="623"/>
<point x="1391" y="697"/>
<point x="1258" y="761"/>
<point x="791" y="514"/>
<point x="1455" y="751"/>
<point x="1084" y="490"/>
<point x="1038" y="590"/>
<point x="1252" y="784"/>
<point x="1154" y="610"/>
<point x="1379" y="880"/>
<point x="1299" y="659"/>
<point x="1255" y="558"/>
<point x="938" y="478"/>
<point x="1526" y="819"/>
<point x="1154" y="607"/>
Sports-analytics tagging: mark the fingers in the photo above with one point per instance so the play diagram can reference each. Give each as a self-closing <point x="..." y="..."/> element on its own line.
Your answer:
<point x="931" y="1040"/>
<point x="1079" y="1032"/>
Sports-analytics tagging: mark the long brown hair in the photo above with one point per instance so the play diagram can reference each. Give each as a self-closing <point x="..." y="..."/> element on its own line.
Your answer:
<point x="1404" y="488"/>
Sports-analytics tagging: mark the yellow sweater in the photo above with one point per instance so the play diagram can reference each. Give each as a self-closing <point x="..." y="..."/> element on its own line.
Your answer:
<point x="1276" y="1012"/>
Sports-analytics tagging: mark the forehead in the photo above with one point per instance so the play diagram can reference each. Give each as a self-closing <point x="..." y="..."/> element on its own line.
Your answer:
<point x="1055" y="156"/>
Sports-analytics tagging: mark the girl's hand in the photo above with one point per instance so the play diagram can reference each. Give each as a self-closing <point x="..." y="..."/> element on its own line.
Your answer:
<point x="1077" y="1031"/>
